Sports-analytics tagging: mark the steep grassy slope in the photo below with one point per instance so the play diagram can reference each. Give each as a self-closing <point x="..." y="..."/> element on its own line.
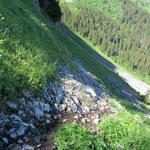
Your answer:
<point x="29" y="47"/>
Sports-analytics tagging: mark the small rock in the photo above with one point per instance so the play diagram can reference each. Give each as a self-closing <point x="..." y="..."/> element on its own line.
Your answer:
<point x="48" y="121"/>
<point x="38" y="146"/>
<point x="68" y="110"/>
<point x="65" y="120"/>
<point x="14" y="147"/>
<point x="139" y="107"/>
<point x="59" y="97"/>
<point x="31" y="126"/>
<point x="91" y="92"/>
<point x="11" y="130"/>
<point x="56" y="105"/>
<point x="20" y="141"/>
<point x="55" y="117"/>
<point x="12" y="105"/>
<point x="63" y="107"/>
<point x="96" y="120"/>
<point x="86" y="109"/>
<point x="48" y="115"/>
<point x="13" y="135"/>
<point x="23" y="115"/>
<point x="76" y="100"/>
<point x="38" y="112"/>
<point x="1" y="121"/>
<point x="21" y="130"/>
<point x="46" y="107"/>
<point x="37" y="140"/>
<point x="24" y="124"/>
<point x="20" y="112"/>
<point x="76" y="117"/>
<point x="83" y="120"/>
<point x="15" y="119"/>
<point x="5" y="140"/>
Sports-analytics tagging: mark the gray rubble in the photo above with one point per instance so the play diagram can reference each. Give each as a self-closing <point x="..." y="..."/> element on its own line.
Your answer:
<point x="76" y="92"/>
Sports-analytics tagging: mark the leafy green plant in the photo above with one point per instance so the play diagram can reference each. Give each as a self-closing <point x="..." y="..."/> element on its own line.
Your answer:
<point x="30" y="48"/>
<point x="73" y="136"/>
<point x="124" y="131"/>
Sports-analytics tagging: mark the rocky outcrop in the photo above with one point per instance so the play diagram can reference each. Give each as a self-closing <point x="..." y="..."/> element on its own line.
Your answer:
<point x="76" y="92"/>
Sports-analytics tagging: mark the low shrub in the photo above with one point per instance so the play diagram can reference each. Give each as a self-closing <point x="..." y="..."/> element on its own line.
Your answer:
<point x="73" y="136"/>
<point x="21" y="69"/>
<point x="52" y="8"/>
<point x="123" y="131"/>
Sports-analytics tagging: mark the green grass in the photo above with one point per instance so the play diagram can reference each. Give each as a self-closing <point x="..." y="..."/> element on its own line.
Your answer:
<point x="122" y="131"/>
<point x="125" y="131"/>
<point x="145" y="4"/>
<point x="76" y="137"/>
<point x="29" y="48"/>
<point x="33" y="46"/>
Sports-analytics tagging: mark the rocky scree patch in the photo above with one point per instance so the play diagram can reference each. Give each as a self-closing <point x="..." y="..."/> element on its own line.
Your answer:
<point x="76" y="96"/>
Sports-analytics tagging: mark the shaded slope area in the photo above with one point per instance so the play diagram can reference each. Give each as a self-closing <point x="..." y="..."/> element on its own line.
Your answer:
<point x="125" y="39"/>
<point x="93" y="62"/>
<point x="31" y="47"/>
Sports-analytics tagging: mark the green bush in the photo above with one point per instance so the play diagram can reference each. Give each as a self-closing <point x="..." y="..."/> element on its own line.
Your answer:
<point x="73" y="136"/>
<point x="21" y="69"/>
<point x="29" y="49"/>
<point x="123" y="131"/>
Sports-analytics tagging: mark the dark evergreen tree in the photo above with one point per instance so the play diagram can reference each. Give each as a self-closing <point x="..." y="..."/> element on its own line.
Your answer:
<point x="51" y="7"/>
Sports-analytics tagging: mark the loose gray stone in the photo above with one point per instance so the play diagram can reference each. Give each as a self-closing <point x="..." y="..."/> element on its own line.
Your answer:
<point x="46" y="108"/>
<point x="11" y="130"/>
<point x="38" y="112"/>
<point x="14" y="147"/>
<point x="1" y="121"/>
<point x="48" y="121"/>
<point x="31" y="126"/>
<point x="38" y="109"/>
<point x="58" y="98"/>
<point x="21" y="130"/>
<point x="13" y="135"/>
<point x="139" y="107"/>
<point x="20" y="141"/>
<point x="24" y="124"/>
<point x="16" y="118"/>
<point x="20" y="112"/>
<point x="27" y="147"/>
<point x="5" y="140"/>
<point x="12" y="105"/>
<point x="91" y="92"/>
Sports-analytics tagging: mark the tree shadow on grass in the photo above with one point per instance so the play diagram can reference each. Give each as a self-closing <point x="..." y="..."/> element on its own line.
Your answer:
<point x="117" y="86"/>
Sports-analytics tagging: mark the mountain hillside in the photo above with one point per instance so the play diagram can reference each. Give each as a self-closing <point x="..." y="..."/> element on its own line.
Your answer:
<point x="119" y="28"/>
<point x="58" y="91"/>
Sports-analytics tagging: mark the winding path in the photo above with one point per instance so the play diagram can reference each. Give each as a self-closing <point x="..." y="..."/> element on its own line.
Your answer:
<point x="136" y="84"/>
